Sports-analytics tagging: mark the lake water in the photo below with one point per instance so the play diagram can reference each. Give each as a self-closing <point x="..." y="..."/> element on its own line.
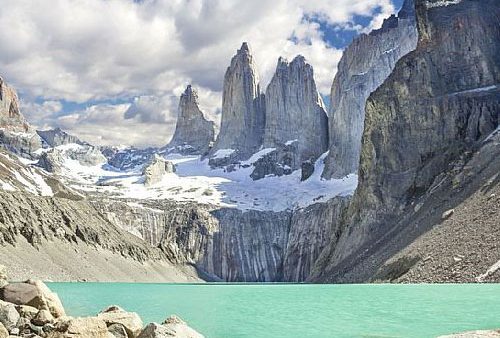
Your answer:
<point x="298" y="310"/>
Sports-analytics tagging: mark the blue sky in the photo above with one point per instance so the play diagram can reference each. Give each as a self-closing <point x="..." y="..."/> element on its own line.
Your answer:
<point x="111" y="71"/>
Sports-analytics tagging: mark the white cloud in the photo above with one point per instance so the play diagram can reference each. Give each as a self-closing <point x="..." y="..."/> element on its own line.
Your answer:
<point x="87" y="50"/>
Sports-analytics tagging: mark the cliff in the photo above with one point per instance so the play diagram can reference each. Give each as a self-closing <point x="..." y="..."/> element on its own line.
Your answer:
<point x="364" y="66"/>
<point x="295" y="110"/>
<point x="439" y="105"/>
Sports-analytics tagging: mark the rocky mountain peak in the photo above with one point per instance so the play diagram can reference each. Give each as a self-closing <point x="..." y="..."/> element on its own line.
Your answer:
<point x="243" y="108"/>
<point x="194" y="133"/>
<point x="364" y="66"/>
<point x="294" y="110"/>
<point x="57" y="137"/>
<point x="189" y="95"/>
<point x="10" y="114"/>
<point x="16" y="134"/>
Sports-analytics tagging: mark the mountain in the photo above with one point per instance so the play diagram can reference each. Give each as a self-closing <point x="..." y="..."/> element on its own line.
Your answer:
<point x="243" y="109"/>
<point x="423" y="150"/>
<point x="57" y="137"/>
<point x="424" y="207"/>
<point x="295" y="110"/>
<point x="364" y="66"/>
<point x="194" y="133"/>
<point x="16" y="134"/>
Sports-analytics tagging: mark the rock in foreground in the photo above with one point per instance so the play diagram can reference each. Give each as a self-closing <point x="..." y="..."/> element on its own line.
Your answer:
<point x="31" y="309"/>
<point x="171" y="327"/>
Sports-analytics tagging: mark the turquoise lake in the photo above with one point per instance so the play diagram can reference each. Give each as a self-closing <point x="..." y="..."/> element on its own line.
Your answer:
<point x="298" y="310"/>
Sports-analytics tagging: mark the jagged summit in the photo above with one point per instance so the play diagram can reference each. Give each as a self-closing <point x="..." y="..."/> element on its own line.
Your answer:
<point x="243" y="107"/>
<point x="295" y="111"/>
<point x="194" y="133"/>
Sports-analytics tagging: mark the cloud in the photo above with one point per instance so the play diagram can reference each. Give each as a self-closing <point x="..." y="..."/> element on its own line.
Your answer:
<point x="146" y="52"/>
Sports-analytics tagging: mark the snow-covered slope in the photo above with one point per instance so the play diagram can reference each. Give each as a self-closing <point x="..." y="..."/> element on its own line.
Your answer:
<point x="195" y="181"/>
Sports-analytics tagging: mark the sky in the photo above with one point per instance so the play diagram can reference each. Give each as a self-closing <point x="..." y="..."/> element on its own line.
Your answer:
<point x="111" y="71"/>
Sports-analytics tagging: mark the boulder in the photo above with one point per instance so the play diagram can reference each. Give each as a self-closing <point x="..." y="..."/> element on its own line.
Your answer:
<point x="21" y="294"/>
<point x="171" y="327"/>
<point x="52" y="299"/>
<point x="116" y="315"/>
<point x="3" y="331"/>
<point x="33" y="293"/>
<point x="8" y="315"/>
<point x="89" y="327"/>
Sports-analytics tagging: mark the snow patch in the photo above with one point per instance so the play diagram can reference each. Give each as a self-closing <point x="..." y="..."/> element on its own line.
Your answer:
<point x="223" y="153"/>
<point x="6" y="186"/>
<point x="476" y="90"/>
<point x="258" y="155"/>
<point x="442" y="3"/>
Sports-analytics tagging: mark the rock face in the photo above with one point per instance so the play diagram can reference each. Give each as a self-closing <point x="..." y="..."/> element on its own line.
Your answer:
<point x="10" y="115"/>
<point x="364" y="66"/>
<point x="243" y="107"/>
<point x="312" y="229"/>
<point x="295" y="110"/>
<point x="235" y="245"/>
<point x="16" y="134"/>
<point x="440" y="103"/>
<point x="130" y="158"/>
<point x="194" y="133"/>
<point x="156" y="170"/>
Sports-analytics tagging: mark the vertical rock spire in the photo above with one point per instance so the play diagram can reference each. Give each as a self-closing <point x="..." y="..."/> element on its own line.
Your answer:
<point x="295" y="110"/>
<point x="194" y="133"/>
<point x="243" y="110"/>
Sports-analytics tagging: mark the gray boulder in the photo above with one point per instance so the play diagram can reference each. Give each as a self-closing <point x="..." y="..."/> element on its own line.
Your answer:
<point x="8" y="315"/>
<point x="35" y="294"/>
<point x="171" y="327"/>
<point x="3" y="331"/>
<point x="131" y="321"/>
